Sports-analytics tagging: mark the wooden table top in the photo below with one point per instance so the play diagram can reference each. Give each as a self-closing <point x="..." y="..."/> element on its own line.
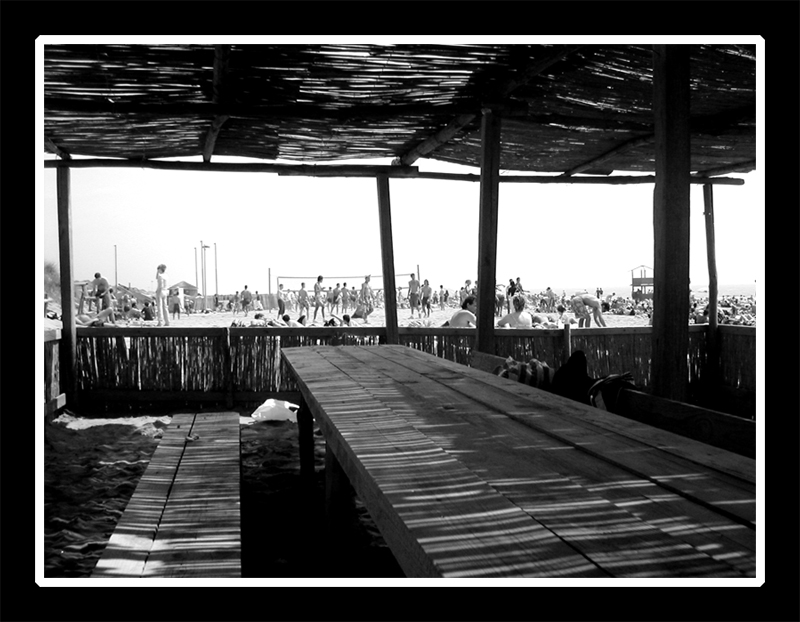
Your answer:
<point x="470" y="475"/>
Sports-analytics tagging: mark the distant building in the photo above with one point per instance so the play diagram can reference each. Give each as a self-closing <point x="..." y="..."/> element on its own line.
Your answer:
<point x="643" y="284"/>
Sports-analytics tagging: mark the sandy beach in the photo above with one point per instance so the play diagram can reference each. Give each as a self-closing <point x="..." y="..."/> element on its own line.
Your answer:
<point x="377" y="318"/>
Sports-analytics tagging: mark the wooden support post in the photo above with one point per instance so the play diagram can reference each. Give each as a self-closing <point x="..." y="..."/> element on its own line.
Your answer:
<point x="387" y="259"/>
<point x="670" y="371"/>
<point x="338" y="492"/>
<point x="712" y="348"/>
<point x="305" y="432"/>
<point x="567" y="343"/>
<point x="67" y="350"/>
<point x="487" y="230"/>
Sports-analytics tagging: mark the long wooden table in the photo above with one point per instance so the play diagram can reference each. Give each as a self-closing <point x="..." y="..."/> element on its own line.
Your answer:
<point x="470" y="475"/>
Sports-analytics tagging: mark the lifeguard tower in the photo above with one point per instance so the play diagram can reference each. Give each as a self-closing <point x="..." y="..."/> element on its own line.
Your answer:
<point x="642" y="285"/>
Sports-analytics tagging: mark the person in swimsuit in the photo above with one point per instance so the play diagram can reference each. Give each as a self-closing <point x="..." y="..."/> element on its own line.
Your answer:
<point x="161" y="296"/>
<point x="413" y="294"/>
<point x="102" y="292"/>
<point x="319" y="299"/>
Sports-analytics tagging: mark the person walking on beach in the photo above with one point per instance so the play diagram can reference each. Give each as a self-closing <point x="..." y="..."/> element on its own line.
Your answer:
<point x="161" y="295"/>
<point x="302" y="300"/>
<point x="247" y="298"/>
<point x="175" y="303"/>
<point x="427" y="292"/>
<point x="442" y="298"/>
<point x="281" y="304"/>
<point x="319" y="298"/>
<point x="413" y="294"/>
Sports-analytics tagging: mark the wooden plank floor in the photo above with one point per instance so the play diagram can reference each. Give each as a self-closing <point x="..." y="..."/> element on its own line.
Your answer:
<point x="468" y="474"/>
<point x="183" y="519"/>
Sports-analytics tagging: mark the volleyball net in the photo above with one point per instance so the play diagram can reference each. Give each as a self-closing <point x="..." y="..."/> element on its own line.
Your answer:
<point x="293" y="283"/>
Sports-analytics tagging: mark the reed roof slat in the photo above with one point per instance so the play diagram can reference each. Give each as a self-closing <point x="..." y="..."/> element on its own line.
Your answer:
<point x="562" y="106"/>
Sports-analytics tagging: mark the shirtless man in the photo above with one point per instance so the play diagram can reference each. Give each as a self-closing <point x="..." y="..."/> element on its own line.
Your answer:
<point x="465" y="317"/>
<point x="302" y="299"/>
<point x="413" y="294"/>
<point x="101" y="291"/>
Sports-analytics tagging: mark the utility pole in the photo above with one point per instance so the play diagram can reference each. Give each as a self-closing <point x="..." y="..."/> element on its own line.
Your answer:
<point x="216" y="276"/>
<point x="116" y="281"/>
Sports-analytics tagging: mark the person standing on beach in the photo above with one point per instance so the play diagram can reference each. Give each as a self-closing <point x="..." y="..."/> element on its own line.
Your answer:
<point x="319" y="298"/>
<point x="366" y="298"/>
<point x="302" y="300"/>
<point x="345" y="298"/>
<point x="101" y="291"/>
<point x="281" y="304"/>
<point x="161" y="295"/>
<point x="247" y="298"/>
<point x="427" y="292"/>
<point x="442" y="298"/>
<point x="335" y="298"/>
<point x="413" y="294"/>
<point x="175" y="303"/>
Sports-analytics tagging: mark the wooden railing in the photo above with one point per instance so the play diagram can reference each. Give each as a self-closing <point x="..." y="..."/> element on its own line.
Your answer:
<point x="235" y="364"/>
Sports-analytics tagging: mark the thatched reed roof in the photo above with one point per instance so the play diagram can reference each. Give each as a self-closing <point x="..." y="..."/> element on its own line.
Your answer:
<point x="565" y="109"/>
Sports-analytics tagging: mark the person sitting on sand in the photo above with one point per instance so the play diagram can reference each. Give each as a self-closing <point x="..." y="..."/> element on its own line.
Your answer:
<point x="131" y="313"/>
<point x="465" y="317"/>
<point x="519" y="318"/>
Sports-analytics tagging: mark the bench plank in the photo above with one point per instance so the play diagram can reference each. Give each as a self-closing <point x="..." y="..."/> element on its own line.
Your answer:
<point x="183" y="519"/>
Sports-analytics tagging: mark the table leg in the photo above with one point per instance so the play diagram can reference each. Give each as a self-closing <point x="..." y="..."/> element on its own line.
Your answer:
<point x="338" y="493"/>
<point x="305" y="431"/>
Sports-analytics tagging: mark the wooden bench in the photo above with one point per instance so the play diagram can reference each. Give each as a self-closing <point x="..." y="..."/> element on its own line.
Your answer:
<point x="183" y="519"/>
<point x="715" y="428"/>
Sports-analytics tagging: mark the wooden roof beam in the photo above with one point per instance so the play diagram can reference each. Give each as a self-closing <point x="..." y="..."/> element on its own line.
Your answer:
<point x="221" y="61"/>
<point x="50" y="146"/>
<point x="710" y="124"/>
<point x="456" y="125"/>
<point x="742" y="167"/>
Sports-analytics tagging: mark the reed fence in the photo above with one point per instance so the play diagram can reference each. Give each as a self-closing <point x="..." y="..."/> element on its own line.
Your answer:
<point x="244" y="364"/>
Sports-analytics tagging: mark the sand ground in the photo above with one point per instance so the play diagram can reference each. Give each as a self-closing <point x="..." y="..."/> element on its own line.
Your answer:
<point x="437" y="318"/>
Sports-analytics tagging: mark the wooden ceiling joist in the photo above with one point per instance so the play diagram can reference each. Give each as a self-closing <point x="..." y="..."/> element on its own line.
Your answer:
<point x="50" y="146"/>
<point x="221" y="61"/>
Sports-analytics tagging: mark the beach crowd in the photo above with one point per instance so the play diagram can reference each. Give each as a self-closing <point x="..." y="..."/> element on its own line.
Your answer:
<point x="343" y="304"/>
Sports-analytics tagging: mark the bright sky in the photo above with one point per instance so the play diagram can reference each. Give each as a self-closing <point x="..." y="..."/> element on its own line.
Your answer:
<point x="259" y="224"/>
